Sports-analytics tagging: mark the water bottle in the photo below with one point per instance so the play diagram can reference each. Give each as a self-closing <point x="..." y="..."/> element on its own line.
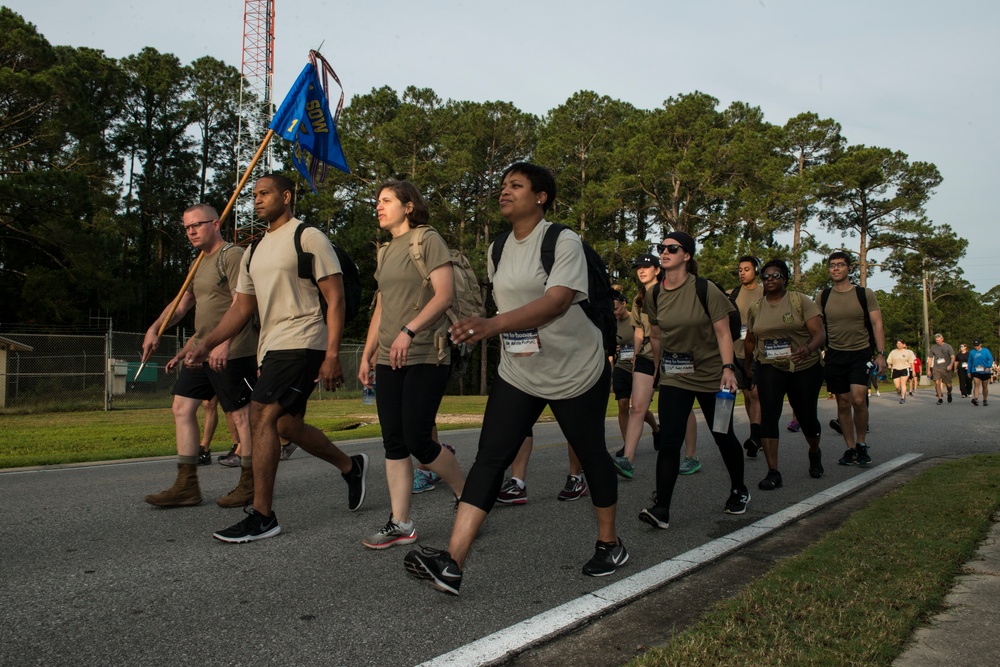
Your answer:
<point x="724" y="402"/>
<point x="368" y="395"/>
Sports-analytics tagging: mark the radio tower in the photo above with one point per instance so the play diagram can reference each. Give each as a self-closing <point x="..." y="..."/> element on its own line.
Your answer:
<point x="255" y="112"/>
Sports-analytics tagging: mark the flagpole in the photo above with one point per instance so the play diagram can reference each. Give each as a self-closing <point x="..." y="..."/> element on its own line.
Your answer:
<point x="194" y="267"/>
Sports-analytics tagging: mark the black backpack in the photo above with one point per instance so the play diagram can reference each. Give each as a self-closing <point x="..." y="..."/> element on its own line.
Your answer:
<point x="598" y="306"/>
<point x="351" y="275"/>
<point x="701" y="289"/>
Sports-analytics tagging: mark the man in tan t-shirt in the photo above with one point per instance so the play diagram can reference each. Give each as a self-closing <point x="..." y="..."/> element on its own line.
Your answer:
<point x="298" y="348"/>
<point x="229" y="372"/>
<point x="749" y="291"/>
<point x="849" y="351"/>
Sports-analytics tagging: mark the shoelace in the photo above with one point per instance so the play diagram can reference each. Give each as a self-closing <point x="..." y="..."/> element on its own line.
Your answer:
<point x="389" y="526"/>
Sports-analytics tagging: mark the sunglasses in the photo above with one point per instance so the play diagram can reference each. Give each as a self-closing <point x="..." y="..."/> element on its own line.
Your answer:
<point x="772" y="276"/>
<point x="672" y="248"/>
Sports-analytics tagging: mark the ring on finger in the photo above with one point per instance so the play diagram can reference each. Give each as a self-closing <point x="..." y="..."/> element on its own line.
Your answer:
<point x="472" y="332"/>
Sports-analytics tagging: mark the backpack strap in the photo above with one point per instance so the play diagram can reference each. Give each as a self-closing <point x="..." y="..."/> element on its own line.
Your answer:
<point x="549" y="246"/>
<point x="220" y="265"/>
<point x="701" y="289"/>
<point x="300" y="255"/>
<point x="735" y="293"/>
<point x="863" y="300"/>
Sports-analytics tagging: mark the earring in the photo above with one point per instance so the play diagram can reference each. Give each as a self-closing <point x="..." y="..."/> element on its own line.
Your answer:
<point x="539" y="201"/>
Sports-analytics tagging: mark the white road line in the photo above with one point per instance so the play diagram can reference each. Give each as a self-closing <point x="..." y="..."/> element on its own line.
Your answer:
<point x="503" y="644"/>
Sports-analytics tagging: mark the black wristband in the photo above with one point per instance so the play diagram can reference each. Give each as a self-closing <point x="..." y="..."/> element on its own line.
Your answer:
<point x="408" y="331"/>
<point x="730" y="367"/>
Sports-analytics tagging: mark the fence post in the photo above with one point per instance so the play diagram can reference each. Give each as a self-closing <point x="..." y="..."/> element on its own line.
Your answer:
<point x="107" y="371"/>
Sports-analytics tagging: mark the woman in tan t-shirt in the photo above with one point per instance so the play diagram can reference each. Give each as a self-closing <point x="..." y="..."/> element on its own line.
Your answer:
<point x="784" y="335"/>
<point x="402" y="350"/>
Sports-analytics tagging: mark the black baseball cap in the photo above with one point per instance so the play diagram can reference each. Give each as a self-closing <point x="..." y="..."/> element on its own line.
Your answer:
<point x="646" y="259"/>
<point x="977" y="342"/>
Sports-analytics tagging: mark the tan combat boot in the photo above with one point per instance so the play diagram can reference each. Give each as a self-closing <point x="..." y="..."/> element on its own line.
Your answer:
<point x="242" y="494"/>
<point x="183" y="493"/>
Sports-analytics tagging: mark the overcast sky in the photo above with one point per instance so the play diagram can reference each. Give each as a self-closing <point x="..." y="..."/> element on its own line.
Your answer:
<point x="911" y="75"/>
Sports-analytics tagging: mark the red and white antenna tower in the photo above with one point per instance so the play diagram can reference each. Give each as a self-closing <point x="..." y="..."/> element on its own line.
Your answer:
<point x="256" y="109"/>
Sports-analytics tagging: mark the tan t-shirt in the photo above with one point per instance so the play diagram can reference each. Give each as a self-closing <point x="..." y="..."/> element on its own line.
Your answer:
<point x="214" y="295"/>
<point x="780" y="330"/>
<point x="900" y="360"/>
<point x="744" y="298"/>
<point x="626" y="344"/>
<point x="570" y="351"/>
<point x="290" y="314"/>
<point x="404" y="293"/>
<point x="640" y="320"/>
<point x="686" y="333"/>
<point x="845" y="321"/>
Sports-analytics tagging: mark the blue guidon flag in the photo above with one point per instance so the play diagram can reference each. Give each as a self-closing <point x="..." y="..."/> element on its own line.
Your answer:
<point x="304" y="118"/>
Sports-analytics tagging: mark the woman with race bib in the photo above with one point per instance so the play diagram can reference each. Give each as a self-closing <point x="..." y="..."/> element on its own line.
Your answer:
<point x="693" y="346"/>
<point x="784" y="336"/>
<point x="551" y="354"/>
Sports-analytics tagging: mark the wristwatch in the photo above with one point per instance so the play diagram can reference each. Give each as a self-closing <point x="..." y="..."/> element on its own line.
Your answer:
<point x="408" y="331"/>
<point x="730" y="367"/>
<point x="878" y="352"/>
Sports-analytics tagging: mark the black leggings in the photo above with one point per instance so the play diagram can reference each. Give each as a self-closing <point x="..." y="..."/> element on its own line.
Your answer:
<point x="675" y="406"/>
<point x="510" y="413"/>
<point x="801" y="388"/>
<point x="407" y="400"/>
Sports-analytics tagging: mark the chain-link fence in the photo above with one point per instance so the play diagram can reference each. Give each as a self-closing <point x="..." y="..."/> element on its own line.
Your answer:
<point x="53" y="372"/>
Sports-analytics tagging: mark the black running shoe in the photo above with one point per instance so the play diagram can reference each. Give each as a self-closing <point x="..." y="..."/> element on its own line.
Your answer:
<point x="656" y="516"/>
<point x="608" y="557"/>
<point x="771" y="482"/>
<point x="816" y="465"/>
<point x="862" y="456"/>
<point x="752" y="447"/>
<point x="620" y="452"/>
<point x="204" y="457"/>
<point x="835" y="425"/>
<point x="849" y="458"/>
<point x="436" y="566"/>
<point x="356" y="481"/>
<point x="254" y="527"/>
<point x="949" y="397"/>
<point x="737" y="502"/>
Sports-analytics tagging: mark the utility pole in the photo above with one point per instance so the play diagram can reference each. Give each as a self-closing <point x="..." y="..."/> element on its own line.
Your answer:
<point x="927" y="324"/>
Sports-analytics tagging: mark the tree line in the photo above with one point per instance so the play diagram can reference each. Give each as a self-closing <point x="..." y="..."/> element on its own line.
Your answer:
<point x="99" y="157"/>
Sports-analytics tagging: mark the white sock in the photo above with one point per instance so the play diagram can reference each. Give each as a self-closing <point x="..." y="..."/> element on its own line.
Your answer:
<point x="519" y="482"/>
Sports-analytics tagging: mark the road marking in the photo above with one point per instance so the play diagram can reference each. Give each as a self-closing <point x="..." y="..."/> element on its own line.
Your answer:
<point x="506" y="643"/>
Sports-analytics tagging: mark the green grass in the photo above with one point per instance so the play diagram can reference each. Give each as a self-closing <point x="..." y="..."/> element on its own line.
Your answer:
<point x="79" y="437"/>
<point x="856" y="596"/>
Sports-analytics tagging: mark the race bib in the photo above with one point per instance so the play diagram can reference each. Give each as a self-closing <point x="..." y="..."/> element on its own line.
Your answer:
<point x="777" y="348"/>
<point x="965" y="365"/>
<point x="677" y="363"/>
<point x="626" y="352"/>
<point x="743" y="332"/>
<point x="980" y="369"/>
<point x="939" y="361"/>
<point x="521" y="343"/>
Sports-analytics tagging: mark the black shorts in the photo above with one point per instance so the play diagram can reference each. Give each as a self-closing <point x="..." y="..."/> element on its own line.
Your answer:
<point x="645" y="366"/>
<point x="844" y="369"/>
<point x="900" y="374"/>
<point x="741" y="375"/>
<point x="288" y="377"/>
<point x="233" y="385"/>
<point x="985" y="377"/>
<point x="621" y="383"/>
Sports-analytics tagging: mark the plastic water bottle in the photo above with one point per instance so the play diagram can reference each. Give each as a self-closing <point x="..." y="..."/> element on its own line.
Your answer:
<point x="724" y="402"/>
<point x="368" y="395"/>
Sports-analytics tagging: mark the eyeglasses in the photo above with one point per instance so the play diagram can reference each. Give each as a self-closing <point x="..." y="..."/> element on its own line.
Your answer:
<point x="672" y="248"/>
<point x="772" y="276"/>
<point x="195" y="225"/>
<point x="838" y="265"/>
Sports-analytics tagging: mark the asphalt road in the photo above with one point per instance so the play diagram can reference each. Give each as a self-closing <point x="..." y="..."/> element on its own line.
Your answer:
<point x="91" y="575"/>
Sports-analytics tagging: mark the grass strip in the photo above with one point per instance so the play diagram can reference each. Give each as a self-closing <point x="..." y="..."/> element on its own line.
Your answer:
<point x="80" y="437"/>
<point x="856" y="596"/>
